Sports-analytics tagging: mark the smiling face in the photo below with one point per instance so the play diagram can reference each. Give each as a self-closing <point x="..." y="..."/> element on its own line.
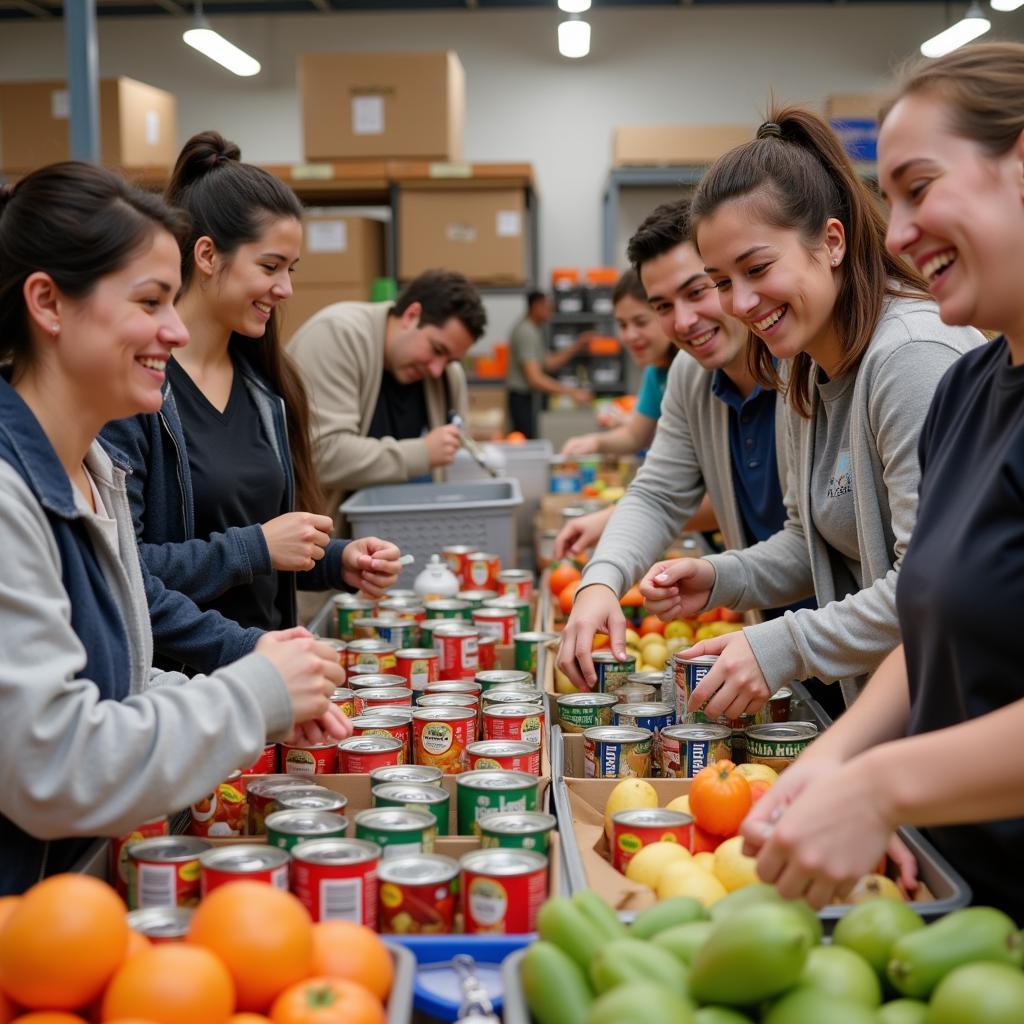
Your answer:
<point x="688" y="309"/>
<point x="641" y="332"/>
<point x="413" y="352"/>
<point x="779" y="285"/>
<point x="956" y="213"/>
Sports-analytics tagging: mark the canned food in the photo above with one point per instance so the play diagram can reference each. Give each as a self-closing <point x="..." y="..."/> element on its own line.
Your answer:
<point x="385" y="721"/>
<point x="161" y="924"/>
<point x="531" y="651"/>
<point x="502" y="891"/>
<point x="449" y="608"/>
<point x="415" y="796"/>
<point x="504" y="677"/>
<point x="482" y="793"/>
<point x="656" y="678"/>
<point x="406" y="604"/>
<point x="476" y="598"/>
<point x="779" y="744"/>
<point x="321" y="759"/>
<point x="578" y="712"/>
<point x="361" y="754"/>
<point x="518" y="830"/>
<point x="688" y="672"/>
<point x="247" y="862"/>
<point x="519" y="605"/>
<point x="654" y="716"/>
<point x="289" y="828"/>
<point x="441" y="735"/>
<point x="505" y="755"/>
<point x="488" y="652"/>
<point x="402" y="632"/>
<point x="633" y="830"/>
<point x="687" y="749"/>
<point x="425" y="774"/>
<point x="482" y="570"/>
<point x="118" y="866"/>
<point x="639" y="693"/>
<point x="265" y="764"/>
<point x="617" y="752"/>
<point x="498" y="695"/>
<point x="223" y="812"/>
<point x="397" y="831"/>
<point x="457" y="557"/>
<point x="164" y="871"/>
<point x="260" y="796"/>
<point x="419" y="666"/>
<point x="418" y="895"/>
<point x="611" y="673"/>
<point x="779" y="707"/>
<point x="501" y="623"/>
<point x="514" y="722"/>
<point x="457" y="687"/>
<point x="383" y="697"/>
<point x="378" y="655"/>
<point x="457" y="650"/>
<point x="518" y="582"/>
<point x="336" y="879"/>
<point x="344" y="699"/>
<point x="377" y="680"/>
<point x="348" y="608"/>
<point x="310" y="798"/>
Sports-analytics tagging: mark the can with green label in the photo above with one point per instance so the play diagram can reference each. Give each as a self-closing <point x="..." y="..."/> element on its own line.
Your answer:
<point x="531" y="651"/>
<point x="504" y="677"/>
<point x="415" y="796"/>
<point x="518" y="830"/>
<point x="476" y="598"/>
<point x="289" y="828"/>
<point x="348" y="608"/>
<point x="578" y="712"/>
<point x="512" y="602"/>
<point x="396" y="830"/>
<point x="482" y="793"/>
<point x="611" y="673"/>
<point x="449" y="608"/>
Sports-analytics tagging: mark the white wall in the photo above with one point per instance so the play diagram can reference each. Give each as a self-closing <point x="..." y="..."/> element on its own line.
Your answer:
<point x="647" y="65"/>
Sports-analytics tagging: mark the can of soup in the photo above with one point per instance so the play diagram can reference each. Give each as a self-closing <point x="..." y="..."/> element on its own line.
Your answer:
<point x="482" y="570"/>
<point x="515" y="722"/>
<point x="633" y="830"/>
<point x="321" y="759"/>
<point x="476" y="598"/>
<point x="223" y="812"/>
<point x="265" y="764"/>
<point x="383" y="697"/>
<point x="502" y="891"/>
<point x="377" y="681"/>
<point x="504" y="677"/>
<point x="119" y="866"/>
<point x="449" y="608"/>
<point x="531" y="650"/>
<point x="260" y="795"/>
<point x="611" y="673"/>
<point x="396" y="722"/>
<point x="419" y="666"/>
<point x="164" y="871"/>
<point x="415" y="796"/>
<point x="617" y="752"/>
<point x="505" y="755"/>
<point x="640" y="693"/>
<point x="455" y="687"/>
<point x="517" y="582"/>
<point x="161" y="924"/>
<point x="310" y="798"/>
<point x="376" y="655"/>
<point x="501" y="623"/>
<point x="578" y="712"/>
<point x="287" y="829"/>
<point x="401" y="631"/>
<point x="344" y="699"/>
<point x="688" y="672"/>
<point x="244" y="862"/>
<point x="336" y="879"/>
<point x="447" y="700"/>
<point x="359" y="755"/>
<point x="519" y="605"/>
<point x="686" y="750"/>
<point x="518" y="830"/>
<point x="397" y="831"/>
<point x="654" y="716"/>
<point x="778" y="745"/>
<point x="348" y="608"/>
<point x="487" y="648"/>
<point x="441" y="735"/>
<point x="499" y="695"/>
<point x="418" y="895"/>
<point x="416" y="773"/>
<point x="482" y="793"/>
<point x="779" y="707"/>
<point x="457" y="557"/>
<point x="457" y="650"/>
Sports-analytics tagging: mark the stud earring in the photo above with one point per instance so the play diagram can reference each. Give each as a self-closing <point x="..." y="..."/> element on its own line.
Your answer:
<point x="55" y="329"/>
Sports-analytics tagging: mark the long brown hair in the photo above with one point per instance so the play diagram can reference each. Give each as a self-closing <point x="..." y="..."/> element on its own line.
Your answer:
<point x="799" y="176"/>
<point x="232" y="202"/>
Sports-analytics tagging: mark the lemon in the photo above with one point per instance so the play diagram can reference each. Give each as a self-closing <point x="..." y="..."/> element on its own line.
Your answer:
<point x="628" y="795"/>
<point x="678" y="629"/>
<point x="655" y="655"/>
<point x="721" y="628"/>
<point x="758" y="773"/>
<point x="647" y="867"/>
<point x="705" y="632"/>
<point x="562" y="684"/>
<point x="632" y="638"/>
<point x="651" y="638"/>
<point x="679" y="643"/>
<point x="705" y="861"/>
<point x="681" y="803"/>
<point x="684" y="878"/>
<point x="732" y="868"/>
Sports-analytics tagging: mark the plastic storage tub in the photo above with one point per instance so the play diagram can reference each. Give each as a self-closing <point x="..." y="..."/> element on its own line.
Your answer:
<point x="422" y="519"/>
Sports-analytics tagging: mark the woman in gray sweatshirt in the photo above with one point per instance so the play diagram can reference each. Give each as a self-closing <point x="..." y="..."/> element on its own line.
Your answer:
<point x="795" y="243"/>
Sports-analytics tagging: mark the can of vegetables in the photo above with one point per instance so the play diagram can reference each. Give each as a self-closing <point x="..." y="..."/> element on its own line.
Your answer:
<point x="397" y="831"/>
<point x="260" y="798"/>
<point x="359" y="755"/>
<point x="299" y="759"/>
<point x="418" y="895"/>
<point x="502" y="891"/>
<point x="246" y="862"/>
<point x="507" y="755"/>
<point x="223" y="812"/>
<point x="617" y="752"/>
<point x="415" y="796"/>
<point x="164" y="871"/>
<point x="385" y="721"/>
<point x="518" y="830"/>
<point x="687" y="749"/>
<point x="779" y="744"/>
<point x="611" y="673"/>
<point x="635" y="829"/>
<point x="289" y="828"/>
<point x="415" y="773"/>
<point x="482" y="793"/>
<point x="441" y="736"/>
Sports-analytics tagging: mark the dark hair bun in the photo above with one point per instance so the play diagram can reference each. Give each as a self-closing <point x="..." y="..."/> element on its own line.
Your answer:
<point x="6" y="195"/>
<point x="200" y="155"/>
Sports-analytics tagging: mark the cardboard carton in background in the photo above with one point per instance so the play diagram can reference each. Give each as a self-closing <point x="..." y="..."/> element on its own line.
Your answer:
<point x="675" y="144"/>
<point x="338" y="248"/>
<point x="308" y="299"/>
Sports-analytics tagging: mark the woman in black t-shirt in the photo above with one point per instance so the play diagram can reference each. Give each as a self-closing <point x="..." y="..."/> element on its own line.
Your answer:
<point x="936" y="740"/>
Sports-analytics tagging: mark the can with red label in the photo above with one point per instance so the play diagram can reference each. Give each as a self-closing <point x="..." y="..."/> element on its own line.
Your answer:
<point x="482" y="570"/>
<point x="375" y="655"/>
<point x="514" y="603"/>
<point x="383" y="697"/>
<point x="457" y="650"/>
<point x="447" y="700"/>
<point x="119" y="851"/>
<point x="488" y="652"/>
<point x="164" y="871"/>
<point x="161" y="924"/>
<point x="260" y="795"/>
<point x="244" y="862"/>
<point x="516" y="581"/>
<point x="336" y="879"/>
<point x="515" y="722"/>
<point x="376" y="680"/>
<point x="457" y="556"/>
<point x="505" y="755"/>
<point x="418" y="895"/>
<point x="501" y="623"/>
<point x="223" y="812"/>
<point x="464" y="687"/>
<point x="511" y="695"/>
<point x="441" y="735"/>
<point x="406" y="604"/>
<point x="395" y="722"/>
<point x="345" y="700"/>
<point x="419" y="666"/>
<point x="321" y="759"/>
<point x="359" y="755"/>
<point x="633" y="830"/>
<point x="502" y="891"/>
<point x="265" y="764"/>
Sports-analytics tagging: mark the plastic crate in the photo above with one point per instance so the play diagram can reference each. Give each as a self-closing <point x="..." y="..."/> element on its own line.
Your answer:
<point x="422" y="519"/>
<point x="399" y="1005"/>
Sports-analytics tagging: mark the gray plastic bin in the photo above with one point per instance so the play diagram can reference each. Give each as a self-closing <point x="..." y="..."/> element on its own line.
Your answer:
<point x="424" y="518"/>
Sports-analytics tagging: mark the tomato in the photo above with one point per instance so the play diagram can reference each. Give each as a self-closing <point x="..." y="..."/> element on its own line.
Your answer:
<point x="711" y="615"/>
<point x="651" y="624"/>
<point x="327" y="1001"/>
<point x="562" y="574"/>
<point x="720" y="798"/>
<point x="728" y="615"/>
<point x="705" y="842"/>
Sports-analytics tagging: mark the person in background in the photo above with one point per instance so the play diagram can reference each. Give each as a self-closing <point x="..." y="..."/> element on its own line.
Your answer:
<point x="223" y="489"/>
<point x="530" y="368"/>
<point x="383" y="379"/>
<point x="795" y="244"/>
<point x="96" y="742"/>
<point x="915" y="749"/>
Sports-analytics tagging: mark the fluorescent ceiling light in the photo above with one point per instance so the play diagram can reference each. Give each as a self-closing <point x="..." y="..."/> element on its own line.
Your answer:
<point x="213" y="45"/>
<point x="574" y="38"/>
<point x="970" y="26"/>
<point x="1006" y="5"/>
<point x="579" y="6"/>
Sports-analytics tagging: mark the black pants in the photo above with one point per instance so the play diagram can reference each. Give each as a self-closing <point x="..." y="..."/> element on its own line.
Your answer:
<point x="522" y="413"/>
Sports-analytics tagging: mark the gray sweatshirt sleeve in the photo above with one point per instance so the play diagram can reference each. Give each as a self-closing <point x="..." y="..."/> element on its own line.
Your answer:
<point x="73" y="764"/>
<point x="663" y="496"/>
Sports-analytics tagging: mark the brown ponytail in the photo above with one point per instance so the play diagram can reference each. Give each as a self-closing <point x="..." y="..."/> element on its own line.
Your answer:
<point x="798" y="176"/>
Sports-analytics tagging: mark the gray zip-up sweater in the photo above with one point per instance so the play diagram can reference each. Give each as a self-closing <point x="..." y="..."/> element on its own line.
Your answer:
<point x="845" y="639"/>
<point x="689" y="456"/>
<point x="76" y="765"/>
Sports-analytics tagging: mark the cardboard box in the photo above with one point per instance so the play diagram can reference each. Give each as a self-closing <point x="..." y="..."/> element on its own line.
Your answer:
<point x="308" y="299"/>
<point x="340" y="249"/>
<point x="854" y="118"/>
<point x="675" y="144"/>
<point x="405" y="105"/>
<point x="854" y="105"/>
<point x="138" y="124"/>
<point x="480" y="232"/>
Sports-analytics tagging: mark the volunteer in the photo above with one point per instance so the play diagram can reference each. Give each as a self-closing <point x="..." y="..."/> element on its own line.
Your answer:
<point x="951" y="166"/>
<point x="223" y="489"/>
<point x="95" y="741"/>
<point x="795" y="244"/>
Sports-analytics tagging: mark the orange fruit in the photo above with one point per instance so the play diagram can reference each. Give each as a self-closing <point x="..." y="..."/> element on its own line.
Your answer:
<point x="562" y="574"/>
<point x="172" y="983"/>
<point x="515" y="437"/>
<point x="263" y="935"/>
<point x="720" y="798"/>
<point x="600" y="640"/>
<point x="137" y="943"/>
<point x="566" y="596"/>
<point x="7" y="904"/>
<point x="248" y="1018"/>
<point x="327" y="1001"/>
<point x="62" y="942"/>
<point x="49" y="1017"/>
<point x="130" y="1020"/>
<point x="8" y="1011"/>
<point x="651" y="624"/>
<point x="342" y="949"/>
<point x="705" y="842"/>
<point x="758" y="788"/>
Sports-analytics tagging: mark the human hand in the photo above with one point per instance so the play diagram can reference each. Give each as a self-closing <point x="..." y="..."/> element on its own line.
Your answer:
<point x="906" y="863"/>
<point x="610" y="416"/>
<point x="581" y="533"/>
<point x="333" y="726"/>
<point x="585" y="444"/>
<point x="678" y="588"/>
<point x="735" y="685"/>
<point x="581" y="396"/>
<point x="595" y="610"/>
<point x="310" y="670"/>
<point x="442" y="444"/>
<point x="297" y="540"/>
<point x="371" y="565"/>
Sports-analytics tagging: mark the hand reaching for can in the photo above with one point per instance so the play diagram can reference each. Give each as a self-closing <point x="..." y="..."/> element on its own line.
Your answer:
<point x="310" y="670"/>
<point x="678" y="588"/>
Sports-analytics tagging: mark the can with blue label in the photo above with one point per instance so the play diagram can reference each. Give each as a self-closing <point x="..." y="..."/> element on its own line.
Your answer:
<point x="686" y="750"/>
<point x="652" y="716"/>
<point x="688" y="673"/>
<point x="617" y="752"/>
<point x="611" y="673"/>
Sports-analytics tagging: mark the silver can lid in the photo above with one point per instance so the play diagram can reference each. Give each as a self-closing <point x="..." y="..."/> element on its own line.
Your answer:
<point x="335" y="851"/>
<point x="395" y="819"/>
<point x="244" y="858"/>
<point x="502" y="862"/>
<point x="410" y="792"/>
<point x="370" y="744"/>
<point x="418" y="869"/>
<point x="423" y="773"/>
<point x="517" y="823"/>
<point x="168" y="849"/>
<point x="305" y="823"/>
<point x="616" y="734"/>
<point x="496" y="778"/>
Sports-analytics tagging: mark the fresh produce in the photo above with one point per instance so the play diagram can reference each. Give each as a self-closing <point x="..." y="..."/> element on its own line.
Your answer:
<point x="719" y="1015"/>
<point x="839" y="972"/>
<point x="720" y="798"/>
<point x="580" y="933"/>
<point x="903" y="1011"/>
<point x="684" y="878"/>
<point x="628" y="795"/>
<point x="685" y="940"/>
<point x="732" y="868"/>
<point x="806" y="1006"/>
<point x="626" y="960"/>
<point x="647" y="867"/>
<point x="665" y="915"/>
<point x="555" y="986"/>
<point x="982" y="993"/>
<point x="641" y="1003"/>
<point x="871" y="928"/>
<point x="873" y="886"/>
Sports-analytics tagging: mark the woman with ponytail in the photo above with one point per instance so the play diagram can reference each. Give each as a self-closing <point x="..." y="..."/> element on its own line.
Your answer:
<point x="222" y="475"/>
<point x="795" y="243"/>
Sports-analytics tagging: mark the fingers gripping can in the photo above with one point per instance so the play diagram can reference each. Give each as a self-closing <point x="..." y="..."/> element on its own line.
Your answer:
<point x="688" y="673"/>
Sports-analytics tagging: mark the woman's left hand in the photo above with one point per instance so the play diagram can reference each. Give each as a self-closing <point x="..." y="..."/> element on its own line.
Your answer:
<point x="370" y="565"/>
<point x="735" y="685"/>
<point x="335" y="725"/>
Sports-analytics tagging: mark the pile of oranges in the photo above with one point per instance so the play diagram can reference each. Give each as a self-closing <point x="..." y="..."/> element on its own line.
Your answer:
<point x="252" y="956"/>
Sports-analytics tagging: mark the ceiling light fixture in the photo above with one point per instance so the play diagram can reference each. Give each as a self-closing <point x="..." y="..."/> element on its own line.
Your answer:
<point x="1006" y="5"/>
<point x="970" y="26"/>
<point x="574" y="38"/>
<point x="200" y="36"/>
<point x="579" y="6"/>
